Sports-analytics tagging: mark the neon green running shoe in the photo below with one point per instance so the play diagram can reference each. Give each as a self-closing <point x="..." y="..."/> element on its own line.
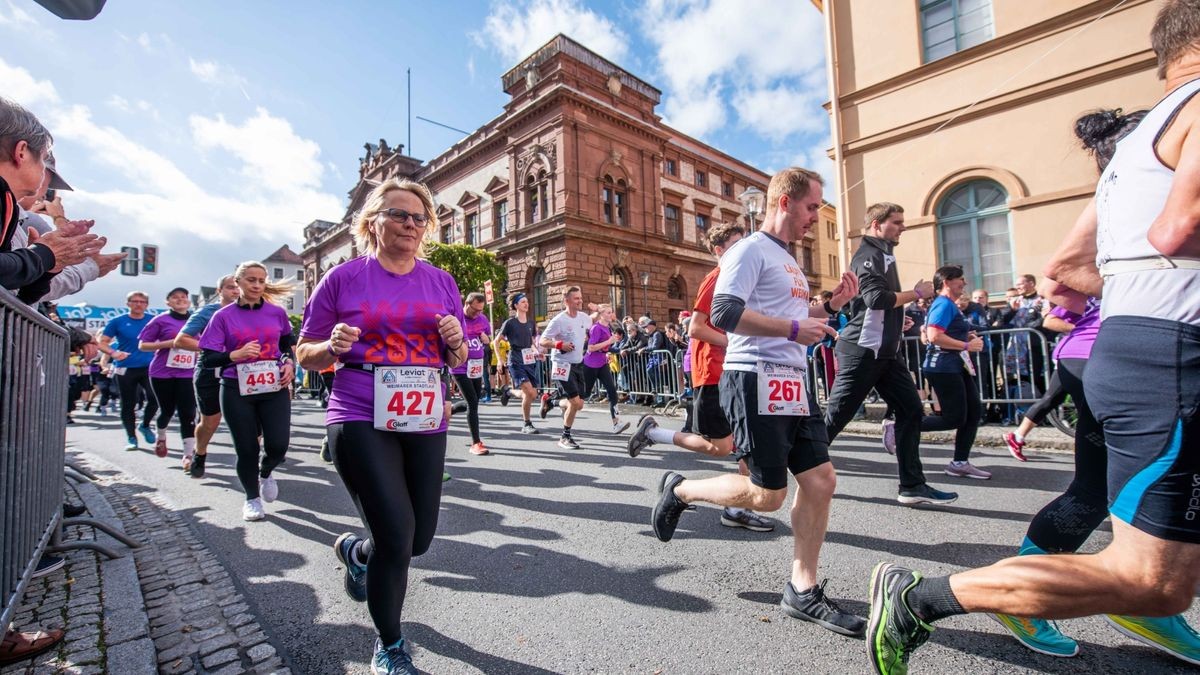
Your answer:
<point x="445" y="476"/>
<point x="894" y="630"/>
<point x="1170" y="634"/>
<point x="1039" y="635"/>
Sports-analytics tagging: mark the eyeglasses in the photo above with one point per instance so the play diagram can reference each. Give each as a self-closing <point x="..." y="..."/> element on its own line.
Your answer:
<point x="400" y="215"/>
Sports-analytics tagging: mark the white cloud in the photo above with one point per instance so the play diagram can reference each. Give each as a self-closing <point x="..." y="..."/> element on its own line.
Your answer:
<point x="16" y="17"/>
<point x="516" y="29"/>
<point x="762" y="58"/>
<point x="144" y="40"/>
<point x="141" y="195"/>
<point x="20" y="86"/>
<point x="211" y="72"/>
<point x="119" y="103"/>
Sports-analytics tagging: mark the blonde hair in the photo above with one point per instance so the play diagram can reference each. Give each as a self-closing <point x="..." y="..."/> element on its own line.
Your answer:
<point x="364" y="234"/>
<point x="794" y="182"/>
<point x="274" y="291"/>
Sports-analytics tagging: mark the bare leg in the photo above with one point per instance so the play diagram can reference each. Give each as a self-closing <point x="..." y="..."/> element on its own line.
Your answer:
<point x="528" y="394"/>
<point x="731" y="490"/>
<point x="205" y="430"/>
<point x="1136" y="575"/>
<point x="810" y="518"/>
<point x="720" y="447"/>
<point x="570" y="408"/>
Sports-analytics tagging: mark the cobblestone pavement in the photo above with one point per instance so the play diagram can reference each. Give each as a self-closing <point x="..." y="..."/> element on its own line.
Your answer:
<point x="168" y="606"/>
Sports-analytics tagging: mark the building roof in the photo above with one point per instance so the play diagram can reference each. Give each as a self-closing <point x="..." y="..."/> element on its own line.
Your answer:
<point x="285" y="255"/>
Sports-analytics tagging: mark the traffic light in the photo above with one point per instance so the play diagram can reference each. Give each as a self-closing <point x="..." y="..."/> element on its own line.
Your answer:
<point x="131" y="264"/>
<point x="149" y="259"/>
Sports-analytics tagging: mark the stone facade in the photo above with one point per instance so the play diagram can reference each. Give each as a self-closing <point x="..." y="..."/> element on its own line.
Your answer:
<point x="576" y="182"/>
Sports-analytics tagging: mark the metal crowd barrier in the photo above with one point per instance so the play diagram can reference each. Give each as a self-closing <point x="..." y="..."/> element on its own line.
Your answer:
<point x="33" y="409"/>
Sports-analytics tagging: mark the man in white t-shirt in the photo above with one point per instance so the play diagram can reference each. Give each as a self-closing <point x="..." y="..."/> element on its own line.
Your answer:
<point x="567" y="334"/>
<point x="762" y="301"/>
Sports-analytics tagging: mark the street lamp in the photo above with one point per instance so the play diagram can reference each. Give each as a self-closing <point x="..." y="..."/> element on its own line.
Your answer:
<point x="645" y="276"/>
<point x="752" y="203"/>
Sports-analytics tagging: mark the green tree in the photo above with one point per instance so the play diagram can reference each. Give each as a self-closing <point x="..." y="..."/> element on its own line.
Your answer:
<point x="296" y="319"/>
<point x="469" y="266"/>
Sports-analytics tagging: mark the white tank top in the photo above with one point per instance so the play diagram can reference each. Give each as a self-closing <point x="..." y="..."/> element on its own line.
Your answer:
<point x="1132" y="192"/>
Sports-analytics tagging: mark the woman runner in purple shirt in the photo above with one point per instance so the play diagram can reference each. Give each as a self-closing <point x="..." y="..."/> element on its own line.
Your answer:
<point x="469" y="374"/>
<point x="595" y="363"/>
<point x="171" y="372"/>
<point x="392" y="322"/>
<point x="251" y="341"/>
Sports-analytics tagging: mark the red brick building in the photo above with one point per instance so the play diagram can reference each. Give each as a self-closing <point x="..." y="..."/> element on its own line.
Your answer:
<point x="576" y="182"/>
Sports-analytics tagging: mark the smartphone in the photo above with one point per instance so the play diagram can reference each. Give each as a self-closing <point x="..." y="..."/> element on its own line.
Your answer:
<point x="49" y="195"/>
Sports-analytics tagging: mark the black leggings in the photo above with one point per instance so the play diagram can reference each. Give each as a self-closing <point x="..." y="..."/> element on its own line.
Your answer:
<point x="1065" y="523"/>
<point x="395" y="480"/>
<point x="471" y="391"/>
<point x="602" y="373"/>
<point x="246" y="416"/>
<point x="1054" y="397"/>
<point x="176" y="394"/>
<point x="958" y="395"/>
<point x="128" y="385"/>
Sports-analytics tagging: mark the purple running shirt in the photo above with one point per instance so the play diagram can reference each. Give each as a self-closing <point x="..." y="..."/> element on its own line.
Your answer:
<point x="1078" y="343"/>
<point x="234" y="326"/>
<point x="597" y="334"/>
<point x="396" y="314"/>
<point x="472" y="329"/>
<point x="165" y="326"/>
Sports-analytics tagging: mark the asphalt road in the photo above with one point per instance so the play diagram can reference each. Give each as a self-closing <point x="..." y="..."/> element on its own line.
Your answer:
<point x="545" y="561"/>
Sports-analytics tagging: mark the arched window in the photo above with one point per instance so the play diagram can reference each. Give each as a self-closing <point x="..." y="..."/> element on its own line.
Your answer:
<point x="539" y="307"/>
<point x="618" y="292"/>
<point x="675" y="288"/>
<point x="537" y="196"/>
<point x="973" y="231"/>
<point x="614" y="197"/>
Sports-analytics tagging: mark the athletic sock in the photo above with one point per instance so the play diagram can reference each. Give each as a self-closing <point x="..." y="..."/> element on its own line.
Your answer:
<point x="189" y="445"/>
<point x="661" y="435"/>
<point x="566" y="431"/>
<point x="933" y="599"/>
<point x="1018" y="437"/>
<point x="354" y="554"/>
<point x="1030" y="548"/>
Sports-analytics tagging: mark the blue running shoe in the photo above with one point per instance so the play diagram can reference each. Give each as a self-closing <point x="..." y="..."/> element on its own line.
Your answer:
<point x="356" y="575"/>
<point x="392" y="660"/>
<point x="148" y="434"/>
<point x="1170" y="634"/>
<point x="131" y="443"/>
<point x="1039" y="635"/>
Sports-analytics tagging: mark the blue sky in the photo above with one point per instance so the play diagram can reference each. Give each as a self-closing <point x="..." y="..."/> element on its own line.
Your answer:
<point x="218" y="130"/>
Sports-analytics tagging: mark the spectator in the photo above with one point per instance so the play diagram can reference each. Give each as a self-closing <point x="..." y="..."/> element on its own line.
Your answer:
<point x="24" y="151"/>
<point x="655" y="342"/>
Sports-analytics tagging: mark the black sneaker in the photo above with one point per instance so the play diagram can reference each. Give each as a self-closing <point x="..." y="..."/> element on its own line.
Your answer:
<point x="197" y="468"/>
<point x="894" y="630"/>
<point x="529" y="429"/>
<point x="458" y="408"/>
<point x="925" y="495"/>
<point x="47" y="564"/>
<point x="73" y="511"/>
<point x="812" y="605"/>
<point x="356" y="575"/>
<point x="640" y="440"/>
<point x="545" y="406"/>
<point x="666" y="512"/>
<point x="568" y="443"/>
<point x="505" y="395"/>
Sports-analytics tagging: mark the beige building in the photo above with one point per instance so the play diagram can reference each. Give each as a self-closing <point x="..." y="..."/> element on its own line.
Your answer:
<point x="963" y="112"/>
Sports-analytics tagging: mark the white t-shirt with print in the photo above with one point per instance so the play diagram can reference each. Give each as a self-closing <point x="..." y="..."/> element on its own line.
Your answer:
<point x="569" y="329"/>
<point x="760" y="270"/>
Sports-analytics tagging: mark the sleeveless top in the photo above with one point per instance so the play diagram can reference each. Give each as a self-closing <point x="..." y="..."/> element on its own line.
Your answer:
<point x="1132" y="192"/>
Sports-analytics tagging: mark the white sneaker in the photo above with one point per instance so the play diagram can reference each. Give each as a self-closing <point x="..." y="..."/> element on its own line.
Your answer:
<point x="619" y="426"/>
<point x="253" y="510"/>
<point x="268" y="488"/>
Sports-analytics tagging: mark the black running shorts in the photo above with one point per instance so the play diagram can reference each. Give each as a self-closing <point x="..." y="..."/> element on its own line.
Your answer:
<point x="778" y="444"/>
<point x="708" y="417"/>
<point x="208" y="391"/>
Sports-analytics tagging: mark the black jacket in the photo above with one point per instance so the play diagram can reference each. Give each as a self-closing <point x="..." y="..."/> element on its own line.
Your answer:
<point x="875" y="320"/>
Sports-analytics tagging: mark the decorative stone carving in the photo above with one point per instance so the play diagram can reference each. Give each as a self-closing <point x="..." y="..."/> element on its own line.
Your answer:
<point x="533" y="257"/>
<point x="614" y="84"/>
<point x="616" y="156"/>
<point x="622" y="256"/>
